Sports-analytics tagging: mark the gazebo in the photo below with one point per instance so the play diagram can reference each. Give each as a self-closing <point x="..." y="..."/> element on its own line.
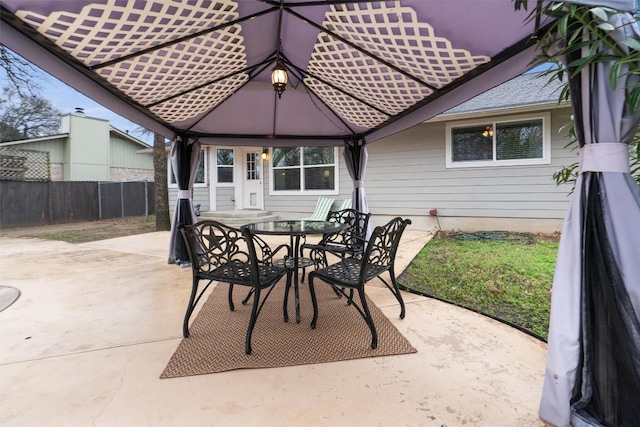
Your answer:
<point x="350" y="73"/>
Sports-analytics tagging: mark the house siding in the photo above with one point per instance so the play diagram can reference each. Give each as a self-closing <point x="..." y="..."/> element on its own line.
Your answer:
<point x="87" y="156"/>
<point x="126" y="164"/>
<point x="123" y="154"/>
<point x="200" y="197"/>
<point x="299" y="205"/>
<point x="225" y="198"/>
<point x="89" y="150"/>
<point x="406" y="176"/>
<point x="55" y="147"/>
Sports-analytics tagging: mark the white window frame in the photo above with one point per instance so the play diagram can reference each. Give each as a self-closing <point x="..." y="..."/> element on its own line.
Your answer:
<point x="203" y="154"/>
<point x="233" y="167"/>
<point x="336" y="176"/>
<point x="546" y="141"/>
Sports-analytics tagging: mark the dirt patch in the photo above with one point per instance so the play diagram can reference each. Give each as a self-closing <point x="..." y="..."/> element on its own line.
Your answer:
<point x="499" y="236"/>
<point x="553" y="237"/>
<point x="81" y="232"/>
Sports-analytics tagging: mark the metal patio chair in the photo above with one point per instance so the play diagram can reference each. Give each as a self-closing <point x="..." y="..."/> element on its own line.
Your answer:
<point x="353" y="272"/>
<point x="348" y="242"/>
<point x="219" y="253"/>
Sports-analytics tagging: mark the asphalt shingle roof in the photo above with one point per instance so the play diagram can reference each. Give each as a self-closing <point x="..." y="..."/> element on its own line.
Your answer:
<point x="524" y="90"/>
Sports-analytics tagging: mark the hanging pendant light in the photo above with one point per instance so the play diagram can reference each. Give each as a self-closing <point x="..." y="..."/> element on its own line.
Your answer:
<point x="279" y="78"/>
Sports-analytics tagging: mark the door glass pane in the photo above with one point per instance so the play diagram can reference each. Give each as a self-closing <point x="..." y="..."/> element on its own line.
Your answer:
<point x="253" y="166"/>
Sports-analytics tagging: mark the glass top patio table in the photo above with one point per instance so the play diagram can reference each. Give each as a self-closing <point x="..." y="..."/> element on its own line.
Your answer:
<point x="295" y="229"/>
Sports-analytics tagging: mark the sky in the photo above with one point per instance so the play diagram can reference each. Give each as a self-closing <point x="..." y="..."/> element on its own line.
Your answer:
<point x="66" y="100"/>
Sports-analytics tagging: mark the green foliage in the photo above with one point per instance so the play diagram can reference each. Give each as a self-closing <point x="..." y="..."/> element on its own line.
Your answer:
<point x="635" y="158"/>
<point x="574" y="30"/>
<point x="506" y="279"/>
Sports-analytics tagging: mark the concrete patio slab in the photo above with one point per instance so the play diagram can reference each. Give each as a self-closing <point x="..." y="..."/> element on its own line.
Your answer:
<point x="97" y="322"/>
<point x="8" y="296"/>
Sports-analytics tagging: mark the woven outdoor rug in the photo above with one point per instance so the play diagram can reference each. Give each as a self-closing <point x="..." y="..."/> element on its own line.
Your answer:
<point x="217" y="335"/>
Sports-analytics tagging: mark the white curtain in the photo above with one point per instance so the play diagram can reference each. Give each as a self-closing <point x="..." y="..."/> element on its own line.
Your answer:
<point x="593" y="362"/>
<point x="356" y="156"/>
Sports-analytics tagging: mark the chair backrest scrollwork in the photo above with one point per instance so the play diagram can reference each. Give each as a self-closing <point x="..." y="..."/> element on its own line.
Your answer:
<point x="356" y="231"/>
<point x="381" y="250"/>
<point x="212" y="244"/>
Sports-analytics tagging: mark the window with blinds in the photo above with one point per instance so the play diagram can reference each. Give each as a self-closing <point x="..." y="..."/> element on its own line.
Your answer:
<point x="525" y="140"/>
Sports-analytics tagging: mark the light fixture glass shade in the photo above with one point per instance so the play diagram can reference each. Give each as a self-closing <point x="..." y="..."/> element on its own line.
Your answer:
<point x="279" y="78"/>
<point x="488" y="132"/>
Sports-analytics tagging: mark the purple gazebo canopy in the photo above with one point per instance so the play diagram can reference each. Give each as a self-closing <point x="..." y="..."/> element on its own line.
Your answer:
<point x="202" y="67"/>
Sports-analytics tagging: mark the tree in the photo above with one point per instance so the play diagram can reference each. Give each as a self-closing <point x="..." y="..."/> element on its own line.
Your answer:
<point x="24" y="116"/>
<point x="23" y="113"/>
<point x="21" y="74"/>
<point x="163" y="221"/>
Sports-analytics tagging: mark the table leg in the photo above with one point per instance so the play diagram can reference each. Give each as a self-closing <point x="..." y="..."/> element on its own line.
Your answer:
<point x="296" y="291"/>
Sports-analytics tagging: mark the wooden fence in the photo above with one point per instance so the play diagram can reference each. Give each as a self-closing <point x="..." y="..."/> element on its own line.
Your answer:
<point x="41" y="203"/>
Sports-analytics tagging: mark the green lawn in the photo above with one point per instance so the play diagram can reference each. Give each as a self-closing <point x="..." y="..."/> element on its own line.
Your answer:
<point x="508" y="277"/>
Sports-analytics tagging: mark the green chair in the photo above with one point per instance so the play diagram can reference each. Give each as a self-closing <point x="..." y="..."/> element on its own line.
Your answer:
<point x="346" y="204"/>
<point x="320" y="213"/>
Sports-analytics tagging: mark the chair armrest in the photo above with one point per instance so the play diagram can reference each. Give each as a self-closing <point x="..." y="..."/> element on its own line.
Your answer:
<point x="329" y="247"/>
<point x="337" y="246"/>
<point x="265" y="254"/>
<point x="284" y="246"/>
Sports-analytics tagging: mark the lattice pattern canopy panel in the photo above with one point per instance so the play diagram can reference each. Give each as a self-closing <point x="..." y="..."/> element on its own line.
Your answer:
<point x="118" y="28"/>
<point x="349" y="108"/>
<point x="394" y="34"/>
<point x="199" y="100"/>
